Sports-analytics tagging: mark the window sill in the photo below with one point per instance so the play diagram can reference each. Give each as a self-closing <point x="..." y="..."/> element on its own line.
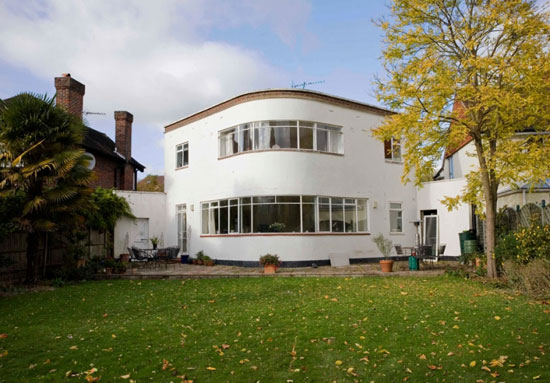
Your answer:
<point x="282" y="150"/>
<point x="394" y="162"/>
<point x="397" y="233"/>
<point x="277" y="234"/>
<point x="182" y="167"/>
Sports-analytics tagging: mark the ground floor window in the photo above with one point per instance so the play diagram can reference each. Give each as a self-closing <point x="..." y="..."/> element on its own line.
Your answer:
<point x="396" y="217"/>
<point x="285" y="214"/>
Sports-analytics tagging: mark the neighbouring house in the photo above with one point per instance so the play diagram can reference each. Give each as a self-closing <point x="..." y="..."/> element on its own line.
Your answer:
<point x="152" y="182"/>
<point x="112" y="162"/>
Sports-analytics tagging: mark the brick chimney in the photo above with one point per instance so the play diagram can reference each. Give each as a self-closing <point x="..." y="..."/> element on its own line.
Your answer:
<point x="70" y="94"/>
<point x="123" y="125"/>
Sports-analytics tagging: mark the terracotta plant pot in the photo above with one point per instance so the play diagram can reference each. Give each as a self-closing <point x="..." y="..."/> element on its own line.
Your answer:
<point x="386" y="266"/>
<point x="478" y="262"/>
<point x="108" y="270"/>
<point x="209" y="263"/>
<point x="270" y="269"/>
<point x="199" y="262"/>
<point x="124" y="258"/>
<point x="81" y="262"/>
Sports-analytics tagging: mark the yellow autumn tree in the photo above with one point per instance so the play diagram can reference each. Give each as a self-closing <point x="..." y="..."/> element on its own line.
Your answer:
<point x="492" y="56"/>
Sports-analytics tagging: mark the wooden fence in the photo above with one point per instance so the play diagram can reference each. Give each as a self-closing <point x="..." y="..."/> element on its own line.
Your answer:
<point x="15" y="246"/>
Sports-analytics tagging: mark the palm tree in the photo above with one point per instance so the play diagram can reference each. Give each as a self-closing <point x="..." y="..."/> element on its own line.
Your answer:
<point x="41" y="159"/>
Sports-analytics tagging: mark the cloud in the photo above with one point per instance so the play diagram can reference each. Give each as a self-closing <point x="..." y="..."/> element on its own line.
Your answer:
<point x="148" y="57"/>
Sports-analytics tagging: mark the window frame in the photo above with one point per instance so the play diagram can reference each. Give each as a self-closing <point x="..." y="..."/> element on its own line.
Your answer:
<point x="331" y="129"/>
<point x="394" y="142"/>
<point x="182" y="148"/>
<point x="250" y="201"/>
<point x="400" y="209"/>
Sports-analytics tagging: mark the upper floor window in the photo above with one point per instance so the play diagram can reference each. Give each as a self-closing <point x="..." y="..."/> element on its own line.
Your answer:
<point x="392" y="150"/>
<point x="451" y="168"/>
<point x="274" y="135"/>
<point x="182" y="155"/>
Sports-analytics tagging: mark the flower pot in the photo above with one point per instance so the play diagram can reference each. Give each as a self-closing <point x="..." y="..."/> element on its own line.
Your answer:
<point x="199" y="262"/>
<point x="81" y="262"/>
<point x="209" y="263"/>
<point x="108" y="270"/>
<point x="478" y="262"/>
<point x="154" y="246"/>
<point x="270" y="269"/>
<point x="124" y="258"/>
<point x="386" y="266"/>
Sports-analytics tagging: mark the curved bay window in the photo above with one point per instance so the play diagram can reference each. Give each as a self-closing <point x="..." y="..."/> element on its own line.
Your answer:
<point x="284" y="214"/>
<point x="274" y="135"/>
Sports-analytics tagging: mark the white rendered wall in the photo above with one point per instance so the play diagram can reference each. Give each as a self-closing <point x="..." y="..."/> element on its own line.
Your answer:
<point x="450" y="222"/>
<point x="149" y="205"/>
<point x="361" y="173"/>
<point x="464" y="160"/>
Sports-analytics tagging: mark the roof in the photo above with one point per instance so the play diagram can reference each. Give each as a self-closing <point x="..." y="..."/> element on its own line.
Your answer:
<point x="99" y="142"/>
<point x="543" y="185"/>
<point x="278" y="93"/>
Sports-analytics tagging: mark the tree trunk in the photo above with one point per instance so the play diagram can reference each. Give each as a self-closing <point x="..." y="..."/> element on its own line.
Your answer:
<point x="490" y="236"/>
<point x="32" y="258"/>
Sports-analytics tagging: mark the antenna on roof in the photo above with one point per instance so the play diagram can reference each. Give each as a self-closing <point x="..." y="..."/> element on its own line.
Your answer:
<point x="87" y="113"/>
<point x="303" y="84"/>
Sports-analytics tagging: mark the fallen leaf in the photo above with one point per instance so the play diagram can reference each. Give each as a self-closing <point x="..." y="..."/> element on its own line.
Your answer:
<point x="497" y="317"/>
<point x="422" y="357"/>
<point x="211" y="368"/>
<point x="3" y="336"/>
<point x="473" y="363"/>
<point x="125" y="376"/>
<point x="73" y="348"/>
<point x="338" y="363"/>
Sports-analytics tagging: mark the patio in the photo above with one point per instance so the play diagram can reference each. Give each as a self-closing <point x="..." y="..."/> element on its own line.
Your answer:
<point x="185" y="271"/>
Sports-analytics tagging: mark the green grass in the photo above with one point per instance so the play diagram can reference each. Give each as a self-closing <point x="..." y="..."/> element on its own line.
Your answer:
<point x="277" y="330"/>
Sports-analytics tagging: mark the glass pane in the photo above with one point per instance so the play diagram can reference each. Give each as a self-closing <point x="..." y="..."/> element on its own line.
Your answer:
<point x="349" y="219"/>
<point x="223" y="202"/>
<point x="245" y="219"/>
<point x="234" y="202"/>
<point x="387" y="149"/>
<point x="362" y="215"/>
<point x="267" y="199"/>
<point x="308" y="218"/>
<point x="324" y="217"/>
<point x="306" y="137"/>
<point x="394" y="205"/>
<point x="308" y="199"/>
<point x="337" y="215"/>
<point x="349" y="201"/>
<point x="245" y="200"/>
<point x="324" y="200"/>
<point x="263" y="217"/>
<point x="284" y="138"/>
<point x="282" y="123"/>
<point x="233" y="219"/>
<point x="322" y="140"/>
<point x="287" y="219"/>
<point x="179" y="159"/>
<point x="213" y="222"/>
<point x="186" y="157"/>
<point x="288" y="198"/>
<point x="224" y="220"/>
<point x="245" y="138"/>
<point x="396" y="225"/>
<point x="336" y="142"/>
<point x="205" y="221"/>
<point x="307" y="123"/>
<point x="235" y="142"/>
<point x="262" y="138"/>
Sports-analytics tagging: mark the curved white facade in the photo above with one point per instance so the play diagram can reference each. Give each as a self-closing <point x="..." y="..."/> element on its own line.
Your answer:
<point x="360" y="172"/>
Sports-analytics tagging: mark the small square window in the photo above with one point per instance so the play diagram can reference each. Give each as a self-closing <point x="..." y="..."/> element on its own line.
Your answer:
<point x="182" y="155"/>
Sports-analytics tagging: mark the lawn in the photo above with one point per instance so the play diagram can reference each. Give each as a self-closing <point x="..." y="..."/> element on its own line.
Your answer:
<point x="440" y="329"/>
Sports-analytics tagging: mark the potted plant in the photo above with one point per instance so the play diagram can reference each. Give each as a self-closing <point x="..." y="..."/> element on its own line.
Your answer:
<point x="277" y="227"/>
<point x="199" y="258"/>
<point x="384" y="245"/>
<point x="207" y="261"/>
<point x="155" y="242"/>
<point x="270" y="262"/>
<point x="109" y="264"/>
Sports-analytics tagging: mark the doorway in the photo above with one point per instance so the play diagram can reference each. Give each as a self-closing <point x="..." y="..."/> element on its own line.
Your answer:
<point x="181" y="216"/>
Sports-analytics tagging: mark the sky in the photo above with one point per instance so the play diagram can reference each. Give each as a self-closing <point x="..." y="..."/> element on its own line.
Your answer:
<point x="163" y="60"/>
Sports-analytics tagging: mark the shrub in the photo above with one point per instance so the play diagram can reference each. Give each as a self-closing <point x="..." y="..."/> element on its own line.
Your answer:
<point x="507" y="248"/>
<point x="533" y="243"/>
<point x="532" y="278"/>
<point x="383" y="244"/>
<point x="270" y="259"/>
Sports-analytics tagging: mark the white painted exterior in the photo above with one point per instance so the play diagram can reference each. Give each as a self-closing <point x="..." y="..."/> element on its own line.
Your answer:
<point x="463" y="161"/>
<point x="150" y="206"/>
<point x="450" y="222"/>
<point x="361" y="172"/>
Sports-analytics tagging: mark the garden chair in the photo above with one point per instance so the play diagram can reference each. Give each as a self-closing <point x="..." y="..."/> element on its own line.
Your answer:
<point x="136" y="256"/>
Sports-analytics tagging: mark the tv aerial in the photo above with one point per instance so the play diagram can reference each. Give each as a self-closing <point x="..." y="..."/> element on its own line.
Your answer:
<point x="86" y="113"/>
<point x="303" y="85"/>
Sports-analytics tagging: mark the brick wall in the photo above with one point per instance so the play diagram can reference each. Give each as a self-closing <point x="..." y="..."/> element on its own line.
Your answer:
<point x="70" y="94"/>
<point x="105" y="171"/>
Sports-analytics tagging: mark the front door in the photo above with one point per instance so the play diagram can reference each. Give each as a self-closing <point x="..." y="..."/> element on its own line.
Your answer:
<point x="431" y="232"/>
<point x="142" y="233"/>
<point x="181" y="216"/>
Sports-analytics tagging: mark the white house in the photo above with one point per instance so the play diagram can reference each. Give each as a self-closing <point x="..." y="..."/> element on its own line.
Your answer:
<point x="290" y="172"/>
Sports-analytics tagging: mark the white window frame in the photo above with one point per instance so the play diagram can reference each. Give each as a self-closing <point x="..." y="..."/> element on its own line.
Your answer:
<point x="251" y="126"/>
<point x="182" y="209"/>
<point x="182" y="148"/>
<point x="392" y="148"/>
<point x="390" y="209"/>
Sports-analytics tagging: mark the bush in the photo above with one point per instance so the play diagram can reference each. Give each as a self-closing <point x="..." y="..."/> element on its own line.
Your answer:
<point x="533" y="243"/>
<point x="507" y="248"/>
<point x="532" y="278"/>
